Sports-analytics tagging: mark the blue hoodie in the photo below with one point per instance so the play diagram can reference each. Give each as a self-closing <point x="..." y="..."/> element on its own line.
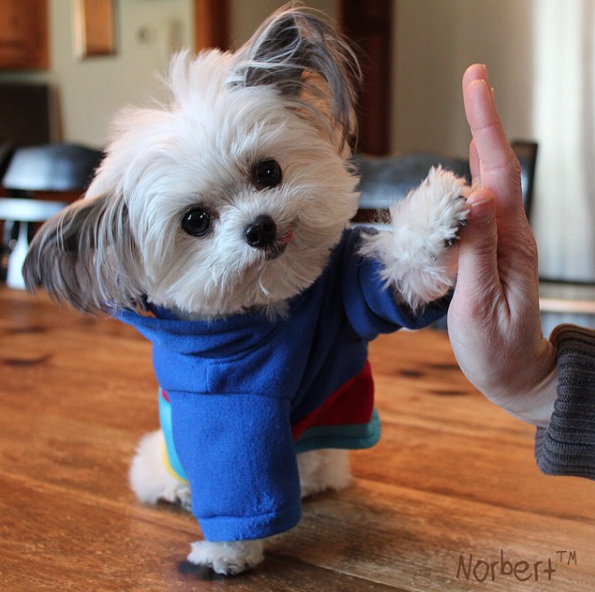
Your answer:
<point x="236" y="386"/>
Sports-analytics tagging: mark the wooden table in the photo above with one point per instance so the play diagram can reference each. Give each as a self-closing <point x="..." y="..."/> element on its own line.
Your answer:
<point x="449" y="500"/>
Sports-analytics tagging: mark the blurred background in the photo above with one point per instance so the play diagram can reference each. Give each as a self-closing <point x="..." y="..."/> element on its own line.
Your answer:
<point x="540" y="53"/>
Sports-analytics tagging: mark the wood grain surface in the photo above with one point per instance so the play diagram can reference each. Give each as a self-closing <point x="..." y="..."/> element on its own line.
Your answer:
<point x="450" y="499"/>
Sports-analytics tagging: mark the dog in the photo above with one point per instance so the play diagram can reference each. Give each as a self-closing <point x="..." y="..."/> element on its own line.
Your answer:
<point x="218" y="225"/>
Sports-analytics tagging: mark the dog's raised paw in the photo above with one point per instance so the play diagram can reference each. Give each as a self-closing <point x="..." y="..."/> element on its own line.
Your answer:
<point x="227" y="558"/>
<point x="418" y="260"/>
<point x="458" y="218"/>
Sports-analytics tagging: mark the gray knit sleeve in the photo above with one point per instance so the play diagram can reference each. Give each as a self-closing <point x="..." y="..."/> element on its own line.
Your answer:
<point x="567" y="445"/>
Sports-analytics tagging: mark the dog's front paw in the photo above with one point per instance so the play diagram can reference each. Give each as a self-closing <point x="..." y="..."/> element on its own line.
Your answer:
<point x="455" y="216"/>
<point x="434" y="212"/>
<point x="229" y="558"/>
<point x="419" y="263"/>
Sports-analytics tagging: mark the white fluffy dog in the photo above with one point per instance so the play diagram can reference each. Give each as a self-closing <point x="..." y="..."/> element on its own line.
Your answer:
<point x="219" y="226"/>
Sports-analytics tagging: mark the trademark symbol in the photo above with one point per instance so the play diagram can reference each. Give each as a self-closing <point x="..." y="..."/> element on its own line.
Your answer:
<point x="567" y="557"/>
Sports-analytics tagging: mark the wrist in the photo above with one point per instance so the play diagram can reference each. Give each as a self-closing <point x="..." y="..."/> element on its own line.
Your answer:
<point x="537" y="405"/>
<point x="533" y="399"/>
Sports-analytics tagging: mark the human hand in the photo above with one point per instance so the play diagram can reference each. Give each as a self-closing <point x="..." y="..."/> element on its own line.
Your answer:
<point x="494" y="320"/>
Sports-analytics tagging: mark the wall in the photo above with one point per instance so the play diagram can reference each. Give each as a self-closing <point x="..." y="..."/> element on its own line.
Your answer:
<point x="541" y="57"/>
<point x="246" y="15"/>
<point x="90" y="91"/>
<point x="435" y="41"/>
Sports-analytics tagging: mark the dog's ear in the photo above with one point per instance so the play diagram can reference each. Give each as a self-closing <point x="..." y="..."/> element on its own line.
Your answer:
<point x="308" y="62"/>
<point x="86" y="256"/>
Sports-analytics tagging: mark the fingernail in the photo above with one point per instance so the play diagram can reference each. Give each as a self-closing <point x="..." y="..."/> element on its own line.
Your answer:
<point x="483" y="211"/>
<point x="485" y="74"/>
<point x="482" y="85"/>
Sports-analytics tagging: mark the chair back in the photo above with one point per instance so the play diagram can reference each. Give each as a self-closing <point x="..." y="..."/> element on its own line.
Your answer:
<point x="526" y="152"/>
<point x="6" y="150"/>
<point x="63" y="171"/>
<point x="386" y="180"/>
<point x="52" y="167"/>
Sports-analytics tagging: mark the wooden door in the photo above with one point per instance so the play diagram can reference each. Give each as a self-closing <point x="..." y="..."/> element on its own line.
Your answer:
<point x="369" y="24"/>
<point x="211" y="24"/>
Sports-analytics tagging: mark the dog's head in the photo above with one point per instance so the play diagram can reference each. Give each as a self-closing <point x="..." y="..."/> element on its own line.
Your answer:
<point x="229" y="197"/>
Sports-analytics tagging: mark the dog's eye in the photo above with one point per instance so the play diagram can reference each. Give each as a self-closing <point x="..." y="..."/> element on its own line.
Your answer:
<point x="196" y="222"/>
<point x="267" y="174"/>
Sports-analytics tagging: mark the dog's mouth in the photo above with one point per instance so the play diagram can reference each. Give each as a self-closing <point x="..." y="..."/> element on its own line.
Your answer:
<point x="280" y="246"/>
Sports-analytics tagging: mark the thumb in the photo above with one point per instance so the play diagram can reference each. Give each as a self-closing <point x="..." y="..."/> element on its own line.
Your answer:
<point x="478" y="247"/>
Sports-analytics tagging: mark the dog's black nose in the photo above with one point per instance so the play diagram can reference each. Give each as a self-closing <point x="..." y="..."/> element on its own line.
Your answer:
<point x="261" y="233"/>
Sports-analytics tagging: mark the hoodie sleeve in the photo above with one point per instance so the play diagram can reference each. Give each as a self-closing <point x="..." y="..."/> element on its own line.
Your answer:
<point x="567" y="445"/>
<point x="240" y="447"/>
<point x="370" y="304"/>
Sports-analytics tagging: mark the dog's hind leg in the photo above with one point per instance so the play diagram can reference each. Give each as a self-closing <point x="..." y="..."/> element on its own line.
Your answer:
<point x="323" y="469"/>
<point x="151" y="480"/>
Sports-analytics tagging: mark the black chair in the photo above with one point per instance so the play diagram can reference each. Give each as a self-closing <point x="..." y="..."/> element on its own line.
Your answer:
<point x="526" y="152"/>
<point x="6" y="150"/>
<point x="52" y="167"/>
<point x="385" y="180"/>
<point x="62" y="170"/>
